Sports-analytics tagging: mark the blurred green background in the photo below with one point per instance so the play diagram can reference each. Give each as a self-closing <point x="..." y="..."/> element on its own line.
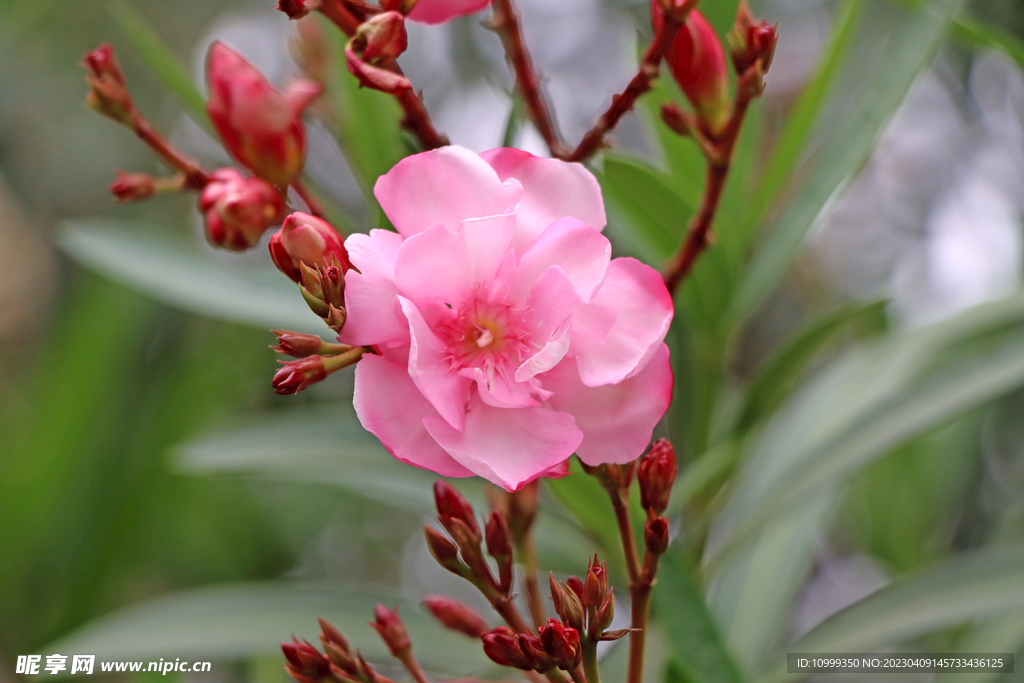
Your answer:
<point x="829" y="335"/>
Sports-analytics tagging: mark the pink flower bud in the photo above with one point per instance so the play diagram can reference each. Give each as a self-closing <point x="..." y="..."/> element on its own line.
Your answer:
<point x="562" y="644"/>
<point x="238" y="210"/>
<point x="260" y="126"/>
<point x="656" y="475"/>
<point x="297" y="344"/>
<point x="129" y="187"/>
<point x="306" y="239"/>
<point x="108" y="94"/>
<point x="297" y="375"/>
<point x="751" y="40"/>
<point x="456" y="615"/>
<point x="378" y="42"/>
<point x="391" y="629"/>
<point x="305" y="662"/>
<point x="696" y="60"/>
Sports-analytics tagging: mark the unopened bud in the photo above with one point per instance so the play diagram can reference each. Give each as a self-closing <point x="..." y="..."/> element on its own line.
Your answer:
<point x="575" y="584"/>
<point x="305" y="662"/>
<point x="533" y="649"/>
<point x="751" y="41"/>
<point x="696" y="60"/>
<point x="297" y="375"/>
<point x="238" y="210"/>
<point x="656" y="474"/>
<point x="502" y="646"/>
<point x="656" y="535"/>
<point x="675" y="119"/>
<point x="391" y="629"/>
<point x="107" y="94"/>
<point x="604" y="616"/>
<point x="619" y="476"/>
<point x="562" y="644"/>
<point x="336" y="647"/>
<point x="595" y="585"/>
<point x="522" y="510"/>
<point x="336" y="318"/>
<point x="307" y="239"/>
<point x="128" y="187"/>
<point x="444" y="551"/>
<point x="567" y="603"/>
<point x="296" y="9"/>
<point x="298" y="344"/>
<point x="452" y="505"/>
<point x="377" y="42"/>
<point x="498" y="547"/>
<point x="455" y="615"/>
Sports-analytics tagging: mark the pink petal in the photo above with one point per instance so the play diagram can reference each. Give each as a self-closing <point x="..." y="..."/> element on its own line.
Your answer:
<point x="617" y="420"/>
<point x="446" y="186"/>
<point x="508" y="446"/>
<point x="643" y="311"/>
<point x="437" y="11"/>
<point x="552" y="301"/>
<point x="442" y="266"/>
<point x="390" y="407"/>
<point x="579" y="250"/>
<point x="552" y="189"/>
<point x="371" y="297"/>
<point x="501" y="391"/>
<point x="431" y="370"/>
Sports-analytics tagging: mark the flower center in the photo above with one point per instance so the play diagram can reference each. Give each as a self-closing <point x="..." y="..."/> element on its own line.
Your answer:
<point x="484" y="334"/>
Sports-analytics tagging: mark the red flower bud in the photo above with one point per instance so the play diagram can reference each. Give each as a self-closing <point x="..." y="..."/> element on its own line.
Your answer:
<point x="378" y="41"/>
<point x="595" y="585"/>
<point x="696" y="60"/>
<point x="533" y="649"/>
<point x="751" y="40"/>
<point x="656" y="535"/>
<point x="296" y="9"/>
<point x="306" y="239"/>
<point x="575" y="584"/>
<point x="451" y="505"/>
<point x="391" y="629"/>
<point x="129" y="187"/>
<point x="108" y="94"/>
<point x="336" y="647"/>
<point x="444" y="551"/>
<point x="656" y="475"/>
<point x="259" y="125"/>
<point x="297" y="375"/>
<point x="238" y="210"/>
<point x="456" y="615"/>
<point x="562" y="644"/>
<point x="305" y="662"/>
<point x="297" y="344"/>
<point x="567" y="603"/>
<point x="604" y="616"/>
<point x="502" y="646"/>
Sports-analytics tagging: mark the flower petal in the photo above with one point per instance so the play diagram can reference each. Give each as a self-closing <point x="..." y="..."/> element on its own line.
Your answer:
<point x="617" y="420"/>
<point x="579" y="250"/>
<point x="431" y="371"/>
<point x="508" y="446"/>
<point x="552" y="189"/>
<point x="552" y="301"/>
<point x="391" y="408"/>
<point x="446" y="186"/>
<point x="438" y="11"/>
<point x="371" y="297"/>
<point x="643" y="308"/>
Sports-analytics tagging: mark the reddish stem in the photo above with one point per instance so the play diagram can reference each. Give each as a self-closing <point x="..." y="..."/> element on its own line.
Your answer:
<point x="412" y="666"/>
<point x="640" y="600"/>
<point x="594" y="139"/>
<point x="505" y="22"/>
<point x="340" y="16"/>
<point x="195" y="177"/>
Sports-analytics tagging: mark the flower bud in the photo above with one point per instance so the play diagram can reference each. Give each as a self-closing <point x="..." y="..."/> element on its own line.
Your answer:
<point x="128" y="187"/>
<point x="238" y="210"/>
<point x="260" y="126"/>
<point x="108" y="94"/>
<point x="391" y="629"/>
<point x="498" y="547"/>
<point x="751" y="40"/>
<point x="502" y="646"/>
<point x="377" y="42"/>
<point x="522" y="509"/>
<point x="297" y="344"/>
<point x="562" y="644"/>
<point x="567" y="604"/>
<point x="696" y="60"/>
<point x="533" y="649"/>
<point x="451" y="505"/>
<point x="455" y="615"/>
<point x="306" y="239"/>
<point x="296" y="9"/>
<point x="575" y="584"/>
<point x="656" y="535"/>
<point x="444" y="551"/>
<point x="305" y="662"/>
<point x="656" y="475"/>
<point x="297" y="375"/>
<point x="604" y="616"/>
<point x="336" y="647"/>
<point x="595" y="585"/>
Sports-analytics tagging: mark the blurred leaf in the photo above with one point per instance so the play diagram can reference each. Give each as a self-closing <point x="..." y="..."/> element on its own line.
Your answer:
<point x="161" y="60"/>
<point x="1000" y="634"/>
<point x="803" y="115"/>
<point x="985" y="36"/>
<point x="871" y="400"/>
<point x="847" y="147"/>
<point x="698" y="653"/>
<point x="237" y="621"/>
<point x="970" y="586"/>
<point x="780" y="374"/>
<point x="174" y="271"/>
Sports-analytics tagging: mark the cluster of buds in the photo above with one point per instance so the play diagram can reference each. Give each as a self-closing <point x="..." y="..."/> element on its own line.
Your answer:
<point x="371" y="52"/>
<point x="238" y="209"/>
<point x="310" y="252"/>
<point x="752" y="45"/>
<point x="316" y="359"/>
<point x="558" y="646"/>
<point x="656" y="474"/>
<point x="108" y="94"/>
<point x="342" y="664"/>
<point x="588" y="604"/>
<point x="463" y="553"/>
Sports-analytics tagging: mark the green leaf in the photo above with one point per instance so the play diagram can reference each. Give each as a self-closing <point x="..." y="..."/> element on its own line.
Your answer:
<point x="1001" y="634"/>
<point x="971" y="586"/>
<point x="237" y="621"/>
<point x="176" y="272"/>
<point x="781" y="373"/>
<point x="161" y="60"/>
<point x="797" y="129"/>
<point x="984" y="36"/>
<point x="846" y="148"/>
<point x="698" y="653"/>
<point x="871" y="400"/>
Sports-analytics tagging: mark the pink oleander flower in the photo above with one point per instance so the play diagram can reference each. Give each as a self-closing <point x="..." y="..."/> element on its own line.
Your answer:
<point x="259" y="125"/>
<point x="439" y="11"/>
<point x="508" y="337"/>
